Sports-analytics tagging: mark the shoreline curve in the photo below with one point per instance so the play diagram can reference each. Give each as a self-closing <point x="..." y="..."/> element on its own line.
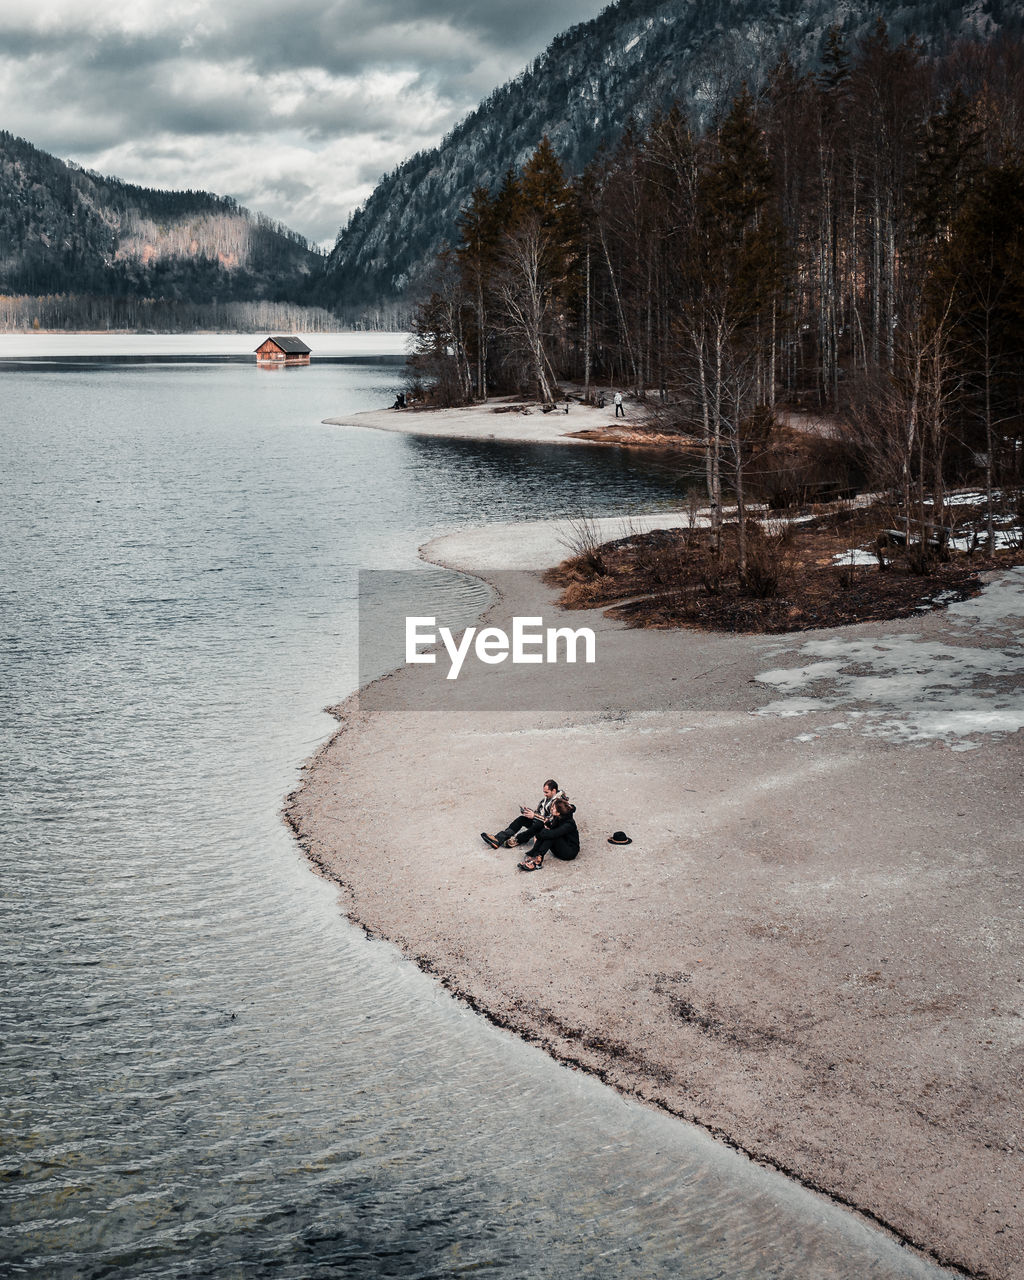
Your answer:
<point x="828" y="1031"/>
<point x="509" y="422"/>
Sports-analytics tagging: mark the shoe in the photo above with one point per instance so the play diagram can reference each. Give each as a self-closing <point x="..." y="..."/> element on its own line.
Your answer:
<point x="512" y="842"/>
<point x="495" y="844"/>
<point x="531" y="864"/>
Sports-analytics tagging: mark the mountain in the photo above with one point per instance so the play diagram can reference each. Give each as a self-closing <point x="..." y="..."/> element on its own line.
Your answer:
<point x="69" y="231"/>
<point x="636" y="56"/>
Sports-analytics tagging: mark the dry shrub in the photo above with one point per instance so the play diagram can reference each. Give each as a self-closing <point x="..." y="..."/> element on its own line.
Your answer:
<point x="769" y="561"/>
<point x="583" y="542"/>
<point x="659" y="562"/>
<point x="580" y="595"/>
<point x="846" y="574"/>
<point x="763" y="575"/>
<point x="921" y="557"/>
<point x="581" y="570"/>
<point x="796" y="468"/>
<point x="711" y="570"/>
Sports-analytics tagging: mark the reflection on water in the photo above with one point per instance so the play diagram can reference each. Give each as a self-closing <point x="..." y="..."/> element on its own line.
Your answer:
<point x="206" y="1070"/>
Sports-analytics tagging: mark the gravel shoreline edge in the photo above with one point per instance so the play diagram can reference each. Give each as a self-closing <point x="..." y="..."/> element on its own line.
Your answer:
<point x="973" y="1253"/>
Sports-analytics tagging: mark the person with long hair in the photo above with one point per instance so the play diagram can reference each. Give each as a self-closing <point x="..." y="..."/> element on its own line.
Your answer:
<point x="529" y="823"/>
<point x="560" y="837"/>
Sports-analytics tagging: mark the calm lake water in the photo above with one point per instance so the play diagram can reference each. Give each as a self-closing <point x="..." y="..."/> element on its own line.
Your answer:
<point x="206" y="1071"/>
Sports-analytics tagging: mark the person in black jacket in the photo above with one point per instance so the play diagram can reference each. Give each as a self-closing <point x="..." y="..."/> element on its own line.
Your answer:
<point x="560" y="836"/>
<point x="530" y="822"/>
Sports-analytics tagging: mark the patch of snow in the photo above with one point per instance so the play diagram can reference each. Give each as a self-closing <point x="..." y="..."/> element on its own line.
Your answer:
<point x="1005" y="538"/>
<point x="632" y="44"/>
<point x="912" y="690"/>
<point x="797" y="677"/>
<point x="1000" y="600"/>
<point x="856" y="556"/>
<point x="537" y="544"/>
<point x="791" y="707"/>
<point x="959" y="499"/>
<point x="775" y="524"/>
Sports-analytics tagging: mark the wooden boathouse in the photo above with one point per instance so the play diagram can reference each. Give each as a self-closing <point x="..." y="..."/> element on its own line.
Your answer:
<point x="282" y="351"/>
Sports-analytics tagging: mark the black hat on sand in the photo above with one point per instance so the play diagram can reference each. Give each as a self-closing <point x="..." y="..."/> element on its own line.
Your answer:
<point x="619" y="837"/>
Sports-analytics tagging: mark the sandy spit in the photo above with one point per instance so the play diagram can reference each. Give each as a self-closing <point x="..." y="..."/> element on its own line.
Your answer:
<point x="813" y="947"/>
<point x="496" y="420"/>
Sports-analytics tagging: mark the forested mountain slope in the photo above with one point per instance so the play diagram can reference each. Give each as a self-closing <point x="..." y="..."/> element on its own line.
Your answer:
<point x="636" y="56"/>
<point x="64" y="230"/>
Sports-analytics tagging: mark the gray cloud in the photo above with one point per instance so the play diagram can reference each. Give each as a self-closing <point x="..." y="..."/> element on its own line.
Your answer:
<point x="295" y="110"/>
<point x="346" y="35"/>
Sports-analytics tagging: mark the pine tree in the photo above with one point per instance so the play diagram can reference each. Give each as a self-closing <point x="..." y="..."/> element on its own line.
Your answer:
<point x="736" y="276"/>
<point x="979" y="278"/>
<point x="477" y="254"/>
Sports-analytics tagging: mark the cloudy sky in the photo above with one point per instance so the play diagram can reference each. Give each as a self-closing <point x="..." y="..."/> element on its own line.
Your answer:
<point x="293" y="109"/>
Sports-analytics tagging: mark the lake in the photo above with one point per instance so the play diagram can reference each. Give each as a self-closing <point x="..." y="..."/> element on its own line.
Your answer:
<point x="206" y="1070"/>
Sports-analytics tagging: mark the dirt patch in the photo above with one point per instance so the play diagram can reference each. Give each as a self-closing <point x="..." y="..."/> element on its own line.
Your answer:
<point x="638" y="436"/>
<point x="819" y="571"/>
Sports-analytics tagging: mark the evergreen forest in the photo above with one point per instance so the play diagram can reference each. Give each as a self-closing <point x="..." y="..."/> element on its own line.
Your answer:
<point x="848" y="240"/>
<point x="79" y="250"/>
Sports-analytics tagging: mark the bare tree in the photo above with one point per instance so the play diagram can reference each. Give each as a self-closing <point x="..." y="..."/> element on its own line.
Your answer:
<point x="523" y="297"/>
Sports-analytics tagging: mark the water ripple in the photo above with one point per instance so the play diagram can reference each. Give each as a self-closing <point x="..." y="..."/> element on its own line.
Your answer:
<point x="206" y="1071"/>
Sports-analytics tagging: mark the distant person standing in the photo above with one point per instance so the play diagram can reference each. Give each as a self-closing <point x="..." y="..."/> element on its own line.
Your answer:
<point x="619" y="411"/>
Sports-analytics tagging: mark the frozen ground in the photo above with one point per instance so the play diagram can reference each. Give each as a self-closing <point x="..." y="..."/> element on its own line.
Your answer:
<point x="20" y="346"/>
<point x="856" y="557"/>
<point x="906" y="688"/>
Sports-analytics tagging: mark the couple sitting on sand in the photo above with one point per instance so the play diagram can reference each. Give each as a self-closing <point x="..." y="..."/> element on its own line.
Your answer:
<point x="552" y="825"/>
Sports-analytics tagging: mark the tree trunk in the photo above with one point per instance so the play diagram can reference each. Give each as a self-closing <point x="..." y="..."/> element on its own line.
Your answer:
<point x="618" y="307"/>
<point x="586" y="330"/>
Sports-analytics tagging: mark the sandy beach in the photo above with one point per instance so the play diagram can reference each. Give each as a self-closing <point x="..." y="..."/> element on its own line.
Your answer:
<point x="812" y="948"/>
<point x="511" y="422"/>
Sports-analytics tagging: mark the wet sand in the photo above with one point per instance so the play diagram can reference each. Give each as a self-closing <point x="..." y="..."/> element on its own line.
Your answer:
<point x="812" y="948"/>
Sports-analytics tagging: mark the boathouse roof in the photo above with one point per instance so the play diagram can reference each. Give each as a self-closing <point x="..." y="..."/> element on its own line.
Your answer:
<point x="290" y="346"/>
